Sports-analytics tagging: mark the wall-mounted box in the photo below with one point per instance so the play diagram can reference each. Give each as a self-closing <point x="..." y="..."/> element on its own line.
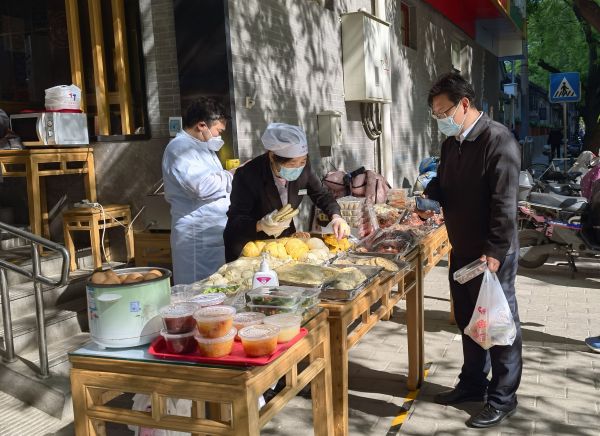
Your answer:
<point x="366" y="58"/>
<point x="330" y="131"/>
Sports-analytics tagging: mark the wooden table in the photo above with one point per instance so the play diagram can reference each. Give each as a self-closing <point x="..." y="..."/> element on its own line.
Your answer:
<point x="434" y="247"/>
<point x="35" y="164"/>
<point x="388" y="290"/>
<point x="99" y="375"/>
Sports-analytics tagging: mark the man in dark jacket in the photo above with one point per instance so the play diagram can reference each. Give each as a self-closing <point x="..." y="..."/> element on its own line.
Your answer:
<point x="477" y="184"/>
<point x="555" y="139"/>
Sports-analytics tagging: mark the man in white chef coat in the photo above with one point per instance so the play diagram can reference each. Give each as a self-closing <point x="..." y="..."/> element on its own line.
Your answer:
<point x="197" y="188"/>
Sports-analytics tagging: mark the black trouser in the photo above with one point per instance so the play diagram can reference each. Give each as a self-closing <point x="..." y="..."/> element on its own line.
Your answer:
<point x="554" y="151"/>
<point x="504" y="361"/>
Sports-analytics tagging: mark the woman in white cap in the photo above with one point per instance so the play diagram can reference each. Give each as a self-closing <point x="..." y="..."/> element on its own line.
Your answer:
<point x="278" y="177"/>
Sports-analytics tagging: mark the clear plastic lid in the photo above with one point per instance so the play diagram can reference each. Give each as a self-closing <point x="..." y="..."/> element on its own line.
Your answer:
<point x="214" y="313"/>
<point x="275" y="296"/>
<point x="171" y="336"/>
<point x="470" y="271"/>
<point x="284" y="320"/>
<point x="204" y="300"/>
<point x="179" y="293"/>
<point x="228" y="337"/>
<point x="248" y="318"/>
<point x="178" y="310"/>
<point x="259" y="332"/>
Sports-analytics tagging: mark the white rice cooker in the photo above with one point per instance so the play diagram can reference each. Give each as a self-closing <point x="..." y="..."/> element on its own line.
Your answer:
<point x="126" y="315"/>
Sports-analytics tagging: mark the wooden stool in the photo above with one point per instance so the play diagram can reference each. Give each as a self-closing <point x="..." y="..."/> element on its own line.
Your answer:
<point x="92" y="220"/>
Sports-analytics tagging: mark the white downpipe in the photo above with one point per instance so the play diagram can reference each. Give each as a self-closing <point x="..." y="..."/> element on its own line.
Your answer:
<point x="386" y="156"/>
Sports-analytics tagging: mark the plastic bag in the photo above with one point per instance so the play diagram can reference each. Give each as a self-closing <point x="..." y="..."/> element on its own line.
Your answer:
<point x="492" y="322"/>
<point x="179" y="407"/>
<point x="63" y="97"/>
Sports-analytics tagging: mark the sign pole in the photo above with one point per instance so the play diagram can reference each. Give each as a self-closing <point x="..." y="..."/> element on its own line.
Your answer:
<point x="565" y="134"/>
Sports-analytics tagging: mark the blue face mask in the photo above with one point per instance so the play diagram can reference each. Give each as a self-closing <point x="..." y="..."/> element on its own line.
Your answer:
<point x="291" y="174"/>
<point x="448" y="126"/>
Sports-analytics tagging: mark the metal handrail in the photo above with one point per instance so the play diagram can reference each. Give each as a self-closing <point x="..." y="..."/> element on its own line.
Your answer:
<point x="38" y="278"/>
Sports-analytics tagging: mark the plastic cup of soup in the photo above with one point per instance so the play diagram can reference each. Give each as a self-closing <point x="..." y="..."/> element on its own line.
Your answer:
<point x="181" y="343"/>
<point x="245" y="319"/>
<point x="179" y="318"/>
<point x="206" y="300"/>
<point x="259" y="340"/>
<point x="216" y="347"/>
<point x="289" y="325"/>
<point x="214" y="321"/>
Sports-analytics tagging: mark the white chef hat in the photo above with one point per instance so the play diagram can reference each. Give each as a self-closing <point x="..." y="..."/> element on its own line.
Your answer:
<point x="285" y="140"/>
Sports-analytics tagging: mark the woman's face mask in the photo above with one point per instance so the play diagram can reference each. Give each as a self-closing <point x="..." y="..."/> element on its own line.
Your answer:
<point x="291" y="174"/>
<point x="448" y="126"/>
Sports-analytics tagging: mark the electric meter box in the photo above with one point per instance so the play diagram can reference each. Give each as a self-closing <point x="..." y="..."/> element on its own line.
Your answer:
<point x="366" y="58"/>
<point x="330" y="131"/>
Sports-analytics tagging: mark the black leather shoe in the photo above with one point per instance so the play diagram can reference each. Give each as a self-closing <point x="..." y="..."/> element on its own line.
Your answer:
<point x="489" y="417"/>
<point x="457" y="395"/>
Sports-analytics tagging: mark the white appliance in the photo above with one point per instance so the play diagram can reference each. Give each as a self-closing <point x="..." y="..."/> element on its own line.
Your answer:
<point x="127" y="315"/>
<point x="39" y="129"/>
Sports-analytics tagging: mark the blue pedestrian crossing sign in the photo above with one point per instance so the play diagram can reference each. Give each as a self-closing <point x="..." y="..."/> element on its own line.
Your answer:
<point x="564" y="88"/>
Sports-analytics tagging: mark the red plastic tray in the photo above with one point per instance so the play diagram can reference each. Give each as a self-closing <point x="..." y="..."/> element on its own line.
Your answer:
<point x="236" y="358"/>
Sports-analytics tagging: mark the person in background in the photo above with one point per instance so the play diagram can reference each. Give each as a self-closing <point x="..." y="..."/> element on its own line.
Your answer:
<point x="197" y="188"/>
<point x="555" y="139"/>
<point x="477" y="184"/>
<point x="280" y="176"/>
<point x="8" y="139"/>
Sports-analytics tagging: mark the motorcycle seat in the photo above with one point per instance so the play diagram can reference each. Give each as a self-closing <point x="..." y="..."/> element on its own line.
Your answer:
<point x="570" y="204"/>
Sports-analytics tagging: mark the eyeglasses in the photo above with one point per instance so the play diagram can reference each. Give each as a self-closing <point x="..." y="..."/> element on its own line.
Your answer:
<point x="441" y="116"/>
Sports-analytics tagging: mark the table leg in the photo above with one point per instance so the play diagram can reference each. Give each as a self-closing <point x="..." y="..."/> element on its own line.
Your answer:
<point x="129" y="243"/>
<point x="321" y="391"/>
<point x="245" y="415"/>
<point x="414" y="327"/>
<point x="385" y="301"/>
<point x="70" y="246"/>
<point x="90" y="178"/>
<point x="33" y="198"/>
<point x="451" y="318"/>
<point x="83" y="425"/>
<point x="96" y="242"/>
<point x="44" y="209"/>
<point x="338" y="332"/>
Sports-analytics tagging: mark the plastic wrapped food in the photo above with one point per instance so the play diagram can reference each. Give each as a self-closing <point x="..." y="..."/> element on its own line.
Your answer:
<point x="216" y="347"/>
<point x="215" y="321"/>
<point x="289" y="326"/>
<point x="179" y="343"/>
<point x="386" y="215"/>
<point x="303" y="274"/>
<point x="284" y="296"/>
<point x="397" y="198"/>
<point x="259" y="340"/>
<point x="470" y="271"/>
<point x="274" y="310"/>
<point x="179" y="318"/>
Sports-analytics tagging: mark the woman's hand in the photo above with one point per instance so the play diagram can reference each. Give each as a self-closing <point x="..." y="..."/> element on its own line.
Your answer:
<point x="340" y="227"/>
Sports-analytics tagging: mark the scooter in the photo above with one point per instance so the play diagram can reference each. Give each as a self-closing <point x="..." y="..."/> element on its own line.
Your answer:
<point x="555" y="225"/>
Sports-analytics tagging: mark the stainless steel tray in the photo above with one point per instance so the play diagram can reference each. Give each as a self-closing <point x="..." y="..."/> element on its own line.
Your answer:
<point x="331" y="293"/>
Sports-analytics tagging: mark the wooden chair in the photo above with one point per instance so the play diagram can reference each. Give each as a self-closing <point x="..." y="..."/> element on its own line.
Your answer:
<point x="93" y="220"/>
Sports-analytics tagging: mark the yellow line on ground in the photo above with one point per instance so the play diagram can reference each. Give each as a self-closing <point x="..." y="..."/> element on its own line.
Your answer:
<point x="410" y="397"/>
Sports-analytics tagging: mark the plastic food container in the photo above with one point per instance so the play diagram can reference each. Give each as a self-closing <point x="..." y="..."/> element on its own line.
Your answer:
<point x="214" y="321"/>
<point x="216" y="347"/>
<point x="179" y="293"/>
<point x="228" y="290"/>
<point x="179" y="317"/>
<point x="470" y="271"/>
<point x="179" y="344"/>
<point x="205" y="300"/>
<point x="273" y="310"/>
<point x="350" y="203"/>
<point x="280" y="296"/>
<point x="289" y="326"/>
<point x="259" y="340"/>
<point x="245" y="319"/>
<point x="310" y="297"/>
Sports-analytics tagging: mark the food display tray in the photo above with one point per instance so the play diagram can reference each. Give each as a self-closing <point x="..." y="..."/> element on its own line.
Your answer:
<point x="331" y="293"/>
<point x="158" y="349"/>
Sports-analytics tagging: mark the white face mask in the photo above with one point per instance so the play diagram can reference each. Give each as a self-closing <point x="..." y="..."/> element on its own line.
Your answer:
<point x="448" y="126"/>
<point x="214" y="143"/>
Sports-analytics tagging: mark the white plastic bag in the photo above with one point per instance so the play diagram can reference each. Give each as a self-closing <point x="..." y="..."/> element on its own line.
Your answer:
<point x="177" y="407"/>
<point x="63" y="97"/>
<point x="492" y="322"/>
